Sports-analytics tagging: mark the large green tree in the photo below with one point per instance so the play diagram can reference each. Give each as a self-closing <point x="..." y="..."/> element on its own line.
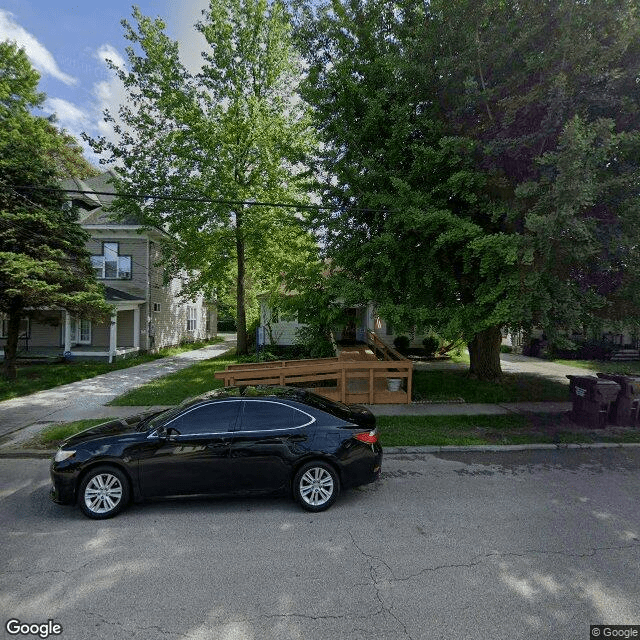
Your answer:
<point x="214" y="142"/>
<point x="483" y="156"/>
<point x="43" y="262"/>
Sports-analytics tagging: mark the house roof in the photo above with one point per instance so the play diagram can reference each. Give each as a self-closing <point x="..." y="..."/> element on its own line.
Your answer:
<point x="97" y="194"/>
<point x="115" y="295"/>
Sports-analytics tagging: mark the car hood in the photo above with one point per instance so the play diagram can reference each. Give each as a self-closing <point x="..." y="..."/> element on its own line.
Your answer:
<point x="108" y="429"/>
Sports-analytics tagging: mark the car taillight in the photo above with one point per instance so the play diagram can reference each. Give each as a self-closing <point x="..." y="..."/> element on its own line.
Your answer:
<point x="367" y="436"/>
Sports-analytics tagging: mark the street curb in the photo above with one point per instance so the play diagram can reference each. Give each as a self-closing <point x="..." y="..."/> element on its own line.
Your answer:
<point x="497" y="448"/>
<point x="27" y="453"/>
<point x="403" y="451"/>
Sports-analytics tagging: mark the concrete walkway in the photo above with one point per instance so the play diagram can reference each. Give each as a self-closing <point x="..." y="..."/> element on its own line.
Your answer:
<point x="86" y="398"/>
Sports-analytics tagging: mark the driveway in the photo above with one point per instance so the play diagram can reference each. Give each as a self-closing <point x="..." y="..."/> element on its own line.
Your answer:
<point x="82" y="399"/>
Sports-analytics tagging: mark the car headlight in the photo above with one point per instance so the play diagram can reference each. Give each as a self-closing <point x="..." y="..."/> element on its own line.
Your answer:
<point x="64" y="454"/>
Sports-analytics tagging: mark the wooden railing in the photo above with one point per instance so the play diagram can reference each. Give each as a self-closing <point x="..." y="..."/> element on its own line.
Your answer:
<point x="382" y="348"/>
<point x="349" y="382"/>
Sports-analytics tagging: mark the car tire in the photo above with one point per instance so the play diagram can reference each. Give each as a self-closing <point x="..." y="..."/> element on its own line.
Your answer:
<point x="316" y="486"/>
<point x="103" y="493"/>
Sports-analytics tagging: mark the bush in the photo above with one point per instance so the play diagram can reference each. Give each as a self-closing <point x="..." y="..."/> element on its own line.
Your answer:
<point x="587" y="350"/>
<point x="505" y="348"/>
<point x="314" y="342"/>
<point x="430" y="344"/>
<point x="402" y="343"/>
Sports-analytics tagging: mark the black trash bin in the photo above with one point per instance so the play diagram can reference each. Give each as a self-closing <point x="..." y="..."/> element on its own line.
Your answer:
<point x="625" y="411"/>
<point x="592" y="399"/>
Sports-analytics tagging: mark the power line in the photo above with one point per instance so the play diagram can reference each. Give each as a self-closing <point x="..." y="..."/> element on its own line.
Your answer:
<point x="256" y="203"/>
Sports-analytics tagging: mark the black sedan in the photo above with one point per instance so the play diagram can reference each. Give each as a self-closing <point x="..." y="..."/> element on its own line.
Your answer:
<point x="236" y="440"/>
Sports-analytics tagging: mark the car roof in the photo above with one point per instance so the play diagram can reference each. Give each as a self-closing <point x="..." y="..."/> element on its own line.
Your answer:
<point x="250" y="391"/>
<point x="291" y="394"/>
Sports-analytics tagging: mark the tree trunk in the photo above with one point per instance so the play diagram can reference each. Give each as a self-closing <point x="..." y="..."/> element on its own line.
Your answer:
<point x="484" y="353"/>
<point x="11" y="347"/>
<point x="242" y="347"/>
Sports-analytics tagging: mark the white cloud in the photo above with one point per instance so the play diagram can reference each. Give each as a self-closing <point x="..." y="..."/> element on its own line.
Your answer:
<point x="69" y="115"/>
<point x="183" y="16"/>
<point x="108" y="52"/>
<point x="40" y="57"/>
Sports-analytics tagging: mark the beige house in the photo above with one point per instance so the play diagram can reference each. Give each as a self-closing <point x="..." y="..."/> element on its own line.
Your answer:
<point x="147" y="313"/>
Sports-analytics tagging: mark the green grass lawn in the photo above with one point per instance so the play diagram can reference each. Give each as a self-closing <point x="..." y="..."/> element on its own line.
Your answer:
<point x="403" y="431"/>
<point x="631" y="368"/>
<point x="435" y="386"/>
<point x="442" y="386"/>
<point x="52" y="436"/>
<point x="37" y="377"/>
<point x="175" y="387"/>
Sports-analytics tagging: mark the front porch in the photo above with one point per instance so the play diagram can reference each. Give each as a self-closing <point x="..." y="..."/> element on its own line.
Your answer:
<point x="57" y="334"/>
<point x="119" y="337"/>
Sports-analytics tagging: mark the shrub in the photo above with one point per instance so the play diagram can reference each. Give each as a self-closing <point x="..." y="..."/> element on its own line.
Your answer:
<point x="505" y="348"/>
<point x="430" y="344"/>
<point x="314" y="342"/>
<point x="402" y="344"/>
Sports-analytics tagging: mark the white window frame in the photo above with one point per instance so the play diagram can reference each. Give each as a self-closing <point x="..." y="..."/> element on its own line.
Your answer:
<point x="157" y="307"/>
<point x="99" y="262"/>
<point x="80" y="330"/>
<point x="192" y="319"/>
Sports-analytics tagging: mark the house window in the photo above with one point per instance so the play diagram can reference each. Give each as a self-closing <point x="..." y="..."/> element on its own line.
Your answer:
<point x="111" y="265"/>
<point x="156" y="307"/>
<point x="80" y="331"/>
<point x="24" y="331"/>
<point x="192" y="323"/>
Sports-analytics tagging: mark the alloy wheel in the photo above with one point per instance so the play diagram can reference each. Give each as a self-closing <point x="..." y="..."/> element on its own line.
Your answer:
<point x="103" y="493"/>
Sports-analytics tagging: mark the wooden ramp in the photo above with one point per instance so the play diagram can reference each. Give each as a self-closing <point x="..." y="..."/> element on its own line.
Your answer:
<point x="346" y="380"/>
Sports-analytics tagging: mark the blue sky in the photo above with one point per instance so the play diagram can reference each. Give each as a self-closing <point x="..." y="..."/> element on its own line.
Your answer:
<point x="67" y="42"/>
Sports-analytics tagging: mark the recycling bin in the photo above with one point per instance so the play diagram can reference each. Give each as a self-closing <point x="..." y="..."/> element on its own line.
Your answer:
<point x="592" y="398"/>
<point x="625" y="411"/>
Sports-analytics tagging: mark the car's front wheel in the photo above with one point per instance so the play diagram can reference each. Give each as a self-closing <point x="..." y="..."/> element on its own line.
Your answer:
<point x="103" y="493"/>
<point x="316" y="486"/>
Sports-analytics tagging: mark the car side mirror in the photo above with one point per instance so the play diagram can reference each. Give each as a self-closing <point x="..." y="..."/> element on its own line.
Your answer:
<point x="171" y="433"/>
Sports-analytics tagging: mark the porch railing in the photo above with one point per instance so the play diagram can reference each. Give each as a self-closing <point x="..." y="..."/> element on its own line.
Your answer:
<point x="382" y="348"/>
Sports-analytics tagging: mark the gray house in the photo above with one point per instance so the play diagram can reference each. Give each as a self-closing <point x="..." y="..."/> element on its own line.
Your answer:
<point x="147" y="313"/>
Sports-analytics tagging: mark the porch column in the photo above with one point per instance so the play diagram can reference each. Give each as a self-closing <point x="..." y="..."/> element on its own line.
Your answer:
<point x="113" y="336"/>
<point x="67" y="332"/>
<point x="136" y="328"/>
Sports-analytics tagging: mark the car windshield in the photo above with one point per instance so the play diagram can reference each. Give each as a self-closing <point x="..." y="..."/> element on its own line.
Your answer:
<point x="155" y="421"/>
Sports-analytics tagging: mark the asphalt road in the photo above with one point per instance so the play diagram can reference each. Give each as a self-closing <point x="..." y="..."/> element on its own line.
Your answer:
<point x="535" y="545"/>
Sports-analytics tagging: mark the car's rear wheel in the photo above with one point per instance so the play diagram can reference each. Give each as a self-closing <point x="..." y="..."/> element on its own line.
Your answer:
<point x="104" y="492"/>
<point x="316" y="486"/>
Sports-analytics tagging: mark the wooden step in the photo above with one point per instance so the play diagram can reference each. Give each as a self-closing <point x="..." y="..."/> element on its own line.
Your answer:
<point x="625" y="355"/>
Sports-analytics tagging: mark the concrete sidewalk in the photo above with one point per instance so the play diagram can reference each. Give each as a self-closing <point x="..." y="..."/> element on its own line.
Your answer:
<point x="87" y="398"/>
<point x="468" y="408"/>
